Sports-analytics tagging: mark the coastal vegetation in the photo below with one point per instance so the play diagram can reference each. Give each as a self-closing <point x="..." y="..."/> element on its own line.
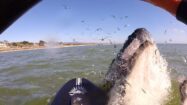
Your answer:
<point x="26" y="45"/>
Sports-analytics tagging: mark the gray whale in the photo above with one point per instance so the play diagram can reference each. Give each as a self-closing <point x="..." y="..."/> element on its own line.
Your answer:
<point x="138" y="75"/>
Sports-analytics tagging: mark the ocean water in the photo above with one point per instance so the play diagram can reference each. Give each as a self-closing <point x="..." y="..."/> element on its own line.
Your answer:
<point x="33" y="77"/>
<point x="176" y="56"/>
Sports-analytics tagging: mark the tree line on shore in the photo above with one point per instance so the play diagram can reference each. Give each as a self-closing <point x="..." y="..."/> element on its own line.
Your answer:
<point x="41" y="43"/>
<point x="21" y="44"/>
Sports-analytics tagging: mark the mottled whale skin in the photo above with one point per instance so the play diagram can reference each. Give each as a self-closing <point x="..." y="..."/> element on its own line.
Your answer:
<point x="183" y="91"/>
<point x="121" y="65"/>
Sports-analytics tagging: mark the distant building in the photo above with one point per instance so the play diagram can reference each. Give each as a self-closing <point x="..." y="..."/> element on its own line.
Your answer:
<point x="3" y="45"/>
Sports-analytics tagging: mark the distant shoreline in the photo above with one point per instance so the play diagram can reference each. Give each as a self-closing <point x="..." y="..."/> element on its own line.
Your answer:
<point x="3" y="50"/>
<point x="15" y="49"/>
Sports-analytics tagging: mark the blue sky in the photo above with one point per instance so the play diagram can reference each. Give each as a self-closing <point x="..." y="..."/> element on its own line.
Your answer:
<point x="91" y="20"/>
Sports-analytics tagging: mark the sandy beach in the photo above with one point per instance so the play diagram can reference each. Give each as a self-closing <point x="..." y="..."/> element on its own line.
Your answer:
<point x="39" y="47"/>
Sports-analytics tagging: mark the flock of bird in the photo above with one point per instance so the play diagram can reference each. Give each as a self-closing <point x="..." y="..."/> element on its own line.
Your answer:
<point x="100" y="29"/>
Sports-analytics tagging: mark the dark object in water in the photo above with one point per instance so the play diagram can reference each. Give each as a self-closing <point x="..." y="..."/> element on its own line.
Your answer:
<point x="73" y="91"/>
<point x="11" y="10"/>
<point x="183" y="91"/>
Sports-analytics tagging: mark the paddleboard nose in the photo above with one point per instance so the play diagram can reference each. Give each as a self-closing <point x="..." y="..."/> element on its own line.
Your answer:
<point x="78" y="94"/>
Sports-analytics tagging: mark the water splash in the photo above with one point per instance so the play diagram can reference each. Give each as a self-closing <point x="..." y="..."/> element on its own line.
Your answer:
<point x="52" y="44"/>
<point x="184" y="59"/>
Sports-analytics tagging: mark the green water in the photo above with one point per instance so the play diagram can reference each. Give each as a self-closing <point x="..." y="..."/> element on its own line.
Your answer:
<point x="174" y="98"/>
<point x="34" y="77"/>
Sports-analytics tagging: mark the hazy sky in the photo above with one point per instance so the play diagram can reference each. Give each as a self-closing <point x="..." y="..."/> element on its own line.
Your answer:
<point x="91" y="20"/>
